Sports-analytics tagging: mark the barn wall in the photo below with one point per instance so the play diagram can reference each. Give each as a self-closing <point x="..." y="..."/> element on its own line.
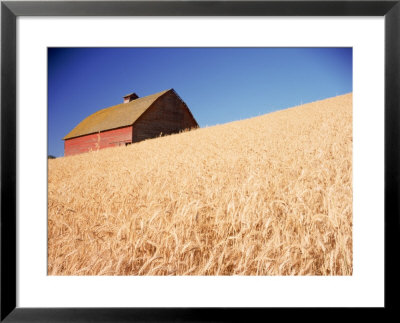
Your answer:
<point x="110" y="138"/>
<point x="168" y="115"/>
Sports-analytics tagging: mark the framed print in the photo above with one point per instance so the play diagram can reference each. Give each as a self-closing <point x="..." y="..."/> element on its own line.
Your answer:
<point x="257" y="150"/>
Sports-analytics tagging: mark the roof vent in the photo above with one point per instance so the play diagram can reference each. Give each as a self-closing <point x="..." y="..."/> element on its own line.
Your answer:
<point x="130" y="97"/>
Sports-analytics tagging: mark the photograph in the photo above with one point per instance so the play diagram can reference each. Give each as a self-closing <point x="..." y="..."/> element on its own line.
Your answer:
<point x="200" y="161"/>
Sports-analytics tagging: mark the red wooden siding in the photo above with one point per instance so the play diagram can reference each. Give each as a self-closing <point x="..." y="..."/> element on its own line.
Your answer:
<point x="168" y="115"/>
<point x="109" y="138"/>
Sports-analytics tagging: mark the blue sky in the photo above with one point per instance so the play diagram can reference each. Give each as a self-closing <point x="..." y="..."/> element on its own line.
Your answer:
<point x="218" y="84"/>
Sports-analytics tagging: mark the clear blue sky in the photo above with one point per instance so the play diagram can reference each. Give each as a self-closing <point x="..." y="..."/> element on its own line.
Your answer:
<point x="218" y="84"/>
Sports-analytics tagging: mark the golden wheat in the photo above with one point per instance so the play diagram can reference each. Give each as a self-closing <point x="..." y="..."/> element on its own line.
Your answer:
<point x="270" y="195"/>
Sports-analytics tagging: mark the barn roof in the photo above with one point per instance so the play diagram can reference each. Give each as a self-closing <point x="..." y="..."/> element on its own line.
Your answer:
<point x="121" y="115"/>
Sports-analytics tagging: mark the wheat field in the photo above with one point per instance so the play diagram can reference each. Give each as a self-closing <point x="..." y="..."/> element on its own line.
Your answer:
<point x="269" y="195"/>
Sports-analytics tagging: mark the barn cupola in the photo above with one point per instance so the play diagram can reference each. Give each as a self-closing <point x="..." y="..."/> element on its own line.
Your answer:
<point x="130" y="97"/>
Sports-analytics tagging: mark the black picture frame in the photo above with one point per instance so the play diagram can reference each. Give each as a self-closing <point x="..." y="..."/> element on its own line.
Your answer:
<point x="10" y="10"/>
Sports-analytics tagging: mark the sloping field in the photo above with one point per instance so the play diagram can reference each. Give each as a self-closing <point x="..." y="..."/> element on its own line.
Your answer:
<point x="271" y="195"/>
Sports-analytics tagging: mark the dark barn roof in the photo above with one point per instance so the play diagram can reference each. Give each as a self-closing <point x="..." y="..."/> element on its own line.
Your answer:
<point x="117" y="116"/>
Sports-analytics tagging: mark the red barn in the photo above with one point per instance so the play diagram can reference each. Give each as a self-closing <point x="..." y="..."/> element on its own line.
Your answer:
<point x="134" y="120"/>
